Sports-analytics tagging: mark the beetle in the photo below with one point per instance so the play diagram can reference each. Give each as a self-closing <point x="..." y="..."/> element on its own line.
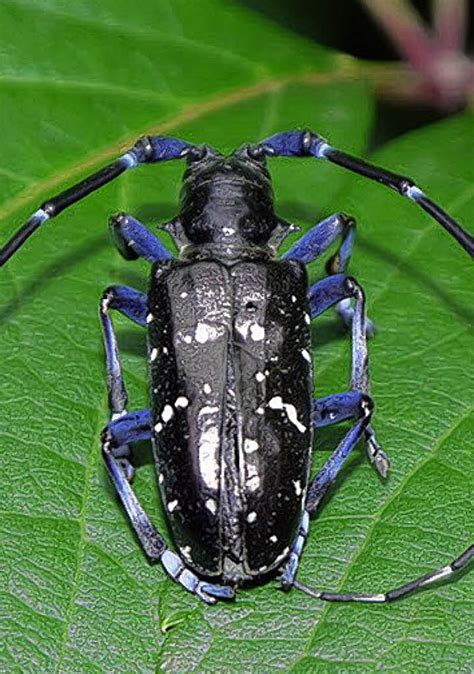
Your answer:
<point x="232" y="413"/>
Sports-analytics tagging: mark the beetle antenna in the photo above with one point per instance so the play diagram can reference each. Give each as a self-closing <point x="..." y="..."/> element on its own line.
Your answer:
<point x="445" y="572"/>
<point x="149" y="149"/>
<point x="308" y="144"/>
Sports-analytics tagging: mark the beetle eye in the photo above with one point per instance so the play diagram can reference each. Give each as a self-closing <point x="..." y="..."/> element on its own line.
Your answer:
<point x="252" y="152"/>
<point x="199" y="152"/>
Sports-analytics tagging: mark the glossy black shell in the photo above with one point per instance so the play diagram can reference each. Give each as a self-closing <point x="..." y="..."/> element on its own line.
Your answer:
<point x="231" y="382"/>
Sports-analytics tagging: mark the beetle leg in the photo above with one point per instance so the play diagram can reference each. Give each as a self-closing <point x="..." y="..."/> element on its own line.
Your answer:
<point x="308" y="144"/>
<point x="208" y="592"/>
<point x="324" y="294"/>
<point x="342" y="406"/>
<point x="288" y="576"/>
<point x="119" y="432"/>
<point x="328" y="473"/>
<point x="318" y="239"/>
<point x="134" y="240"/>
<point x="384" y="597"/>
<point x="330" y="410"/>
<point x="315" y="242"/>
<point x="132" y="304"/>
<point x="335" y="290"/>
<point x="131" y="428"/>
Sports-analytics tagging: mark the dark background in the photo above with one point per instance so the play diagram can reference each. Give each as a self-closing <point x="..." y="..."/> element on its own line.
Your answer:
<point x="347" y="26"/>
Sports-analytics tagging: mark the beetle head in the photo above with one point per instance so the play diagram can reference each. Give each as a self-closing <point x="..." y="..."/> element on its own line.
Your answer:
<point x="227" y="200"/>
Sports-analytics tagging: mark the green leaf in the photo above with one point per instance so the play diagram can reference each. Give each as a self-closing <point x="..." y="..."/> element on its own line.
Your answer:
<point x="78" y="82"/>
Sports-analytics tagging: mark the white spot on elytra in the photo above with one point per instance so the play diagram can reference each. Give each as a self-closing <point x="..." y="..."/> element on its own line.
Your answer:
<point x="159" y="427"/>
<point x="297" y="485"/>
<point x="165" y="350"/>
<point x="206" y="388"/>
<point x="250" y="446"/>
<point x="161" y="478"/>
<point x="257" y="333"/>
<point x="306" y="355"/>
<point x="167" y="413"/>
<point x="273" y="539"/>
<point x="149" y="318"/>
<point x="282" y="555"/>
<point x="259" y="376"/>
<point x="208" y="449"/>
<point x="186" y="551"/>
<point x="228" y="231"/>
<point x="244" y="327"/>
<point x="153" y="355"/>
<point x="188" y="339"/>
<point x="259" y="410"/>
<point x="211" y="505"/>
<point x="307" y="318"/>
<point x="181" y="401"/>
<point x="277" y="403"/>
<point x="184" y="295"/>
<point x="253" y="483"/>
<point x="293" y="299"/>
<point x="251" y="517"/>
<point x="172" y="505"/>
<point x="205" y="333"/>
<point x="208" y="409"/>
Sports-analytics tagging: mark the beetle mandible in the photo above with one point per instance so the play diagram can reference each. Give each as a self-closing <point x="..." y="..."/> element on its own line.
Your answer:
<point x="232" y="412"/>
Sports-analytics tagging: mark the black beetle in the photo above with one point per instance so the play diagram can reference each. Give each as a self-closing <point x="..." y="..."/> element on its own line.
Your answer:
<point x="230" y="368"/>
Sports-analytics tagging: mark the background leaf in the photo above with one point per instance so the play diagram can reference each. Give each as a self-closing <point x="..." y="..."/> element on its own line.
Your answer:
<point x="77" y="83"/>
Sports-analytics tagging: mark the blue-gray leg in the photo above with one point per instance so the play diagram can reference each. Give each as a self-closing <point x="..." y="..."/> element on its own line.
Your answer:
<point x="327" y="411"/>
<point x="331" y="410"/>
<point x="134" y="240"/>
<point x="328" y="473"/>
<point x="324" y="294"/>
<point x="132" y="304"/>
<point x="130" y="428"/>
<point x="315" y="242"/>
<point x="330" y="291"/>
<point x="290" y="569"/>
<point x="342" y="406"/>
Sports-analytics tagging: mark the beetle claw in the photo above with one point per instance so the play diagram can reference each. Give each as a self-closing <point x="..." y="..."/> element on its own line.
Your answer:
<point x="381" y="463"/>
<point x="377" y="456"/>
<point x="206" y="598"/>
<point x="218" y="591"/>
